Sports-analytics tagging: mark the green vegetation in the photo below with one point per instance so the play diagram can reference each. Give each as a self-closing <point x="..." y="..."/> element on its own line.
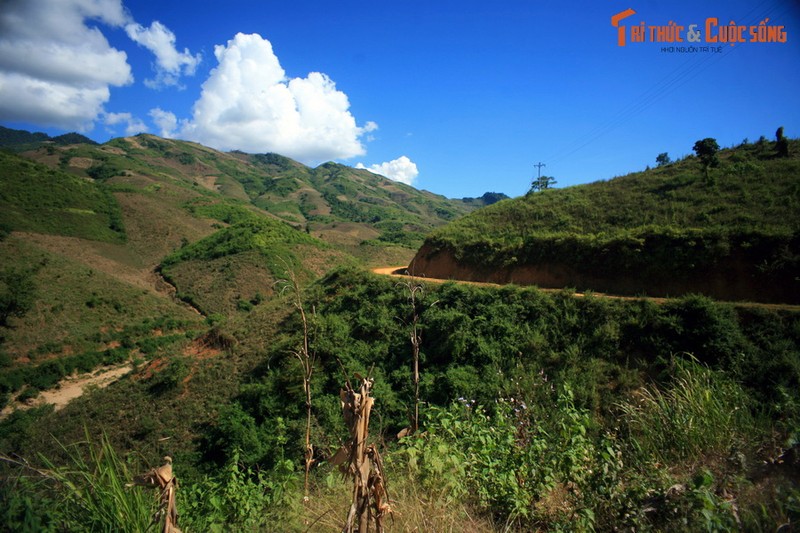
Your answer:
<point x="17" y="293"/>
<point x="542" y="183"/>
<point x="649" y="229"/>
<point x="538" y="410"/>
<point x="36" y="198"/>
<point x="541" y="410"/>
<point x="20" y="140"/>
<point x="270" y="237"/>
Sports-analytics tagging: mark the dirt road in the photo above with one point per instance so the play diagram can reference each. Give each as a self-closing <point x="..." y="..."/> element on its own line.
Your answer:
<point x="69" y="389"/>
<point x="398" y="272"/>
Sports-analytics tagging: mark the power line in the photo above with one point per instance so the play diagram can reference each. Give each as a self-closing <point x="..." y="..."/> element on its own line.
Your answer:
<point x="672" y="81"/>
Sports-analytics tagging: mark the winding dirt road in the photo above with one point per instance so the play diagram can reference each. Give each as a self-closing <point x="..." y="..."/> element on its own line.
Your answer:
<point x="398" y="272"/>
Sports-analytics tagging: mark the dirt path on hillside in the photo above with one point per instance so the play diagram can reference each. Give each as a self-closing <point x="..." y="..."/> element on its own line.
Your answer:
<point x="397" y="272"/>
<point x="69" y="389"/>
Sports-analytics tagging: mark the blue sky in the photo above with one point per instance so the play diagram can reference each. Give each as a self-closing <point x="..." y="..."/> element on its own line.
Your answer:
<point x="458" y="98"/>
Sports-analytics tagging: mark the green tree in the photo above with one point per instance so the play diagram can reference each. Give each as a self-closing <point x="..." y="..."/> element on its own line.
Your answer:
<point x="541" y="183"/>
<point x="706" y="149"/>
<point x="782" y="143"/>
<point x="17" y="293"/>
<point x="663" y="159"/>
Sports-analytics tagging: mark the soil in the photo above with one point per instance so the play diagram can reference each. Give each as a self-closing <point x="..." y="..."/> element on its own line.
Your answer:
<point x="732" y="282"/>
<point x="402" y="272"/>
<point x="70" y="388"/>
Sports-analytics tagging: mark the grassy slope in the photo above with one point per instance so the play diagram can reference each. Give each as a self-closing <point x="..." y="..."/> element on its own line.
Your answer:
<point x="749" y="193"/>
<point x="237" y="267"/>
<point x="305" y="197"/>
<point x="672" y="213"/>
<point x="93" y="285"/>
<point x="36" y="198"/>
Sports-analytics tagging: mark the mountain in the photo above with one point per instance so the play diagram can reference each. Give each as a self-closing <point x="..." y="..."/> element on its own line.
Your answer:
<point x="129" y="247"/>
<point x="488" y="198"/>
<point x="733" y="233"/>
<point x="21" y="139"/>
<point x="363" y="214"/>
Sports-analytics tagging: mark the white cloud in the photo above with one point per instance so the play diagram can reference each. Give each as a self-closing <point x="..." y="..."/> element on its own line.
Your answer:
<point x="54" y="69"/>
<point x="401" y="169"/>
<point x="166" y="121"/>
<point x="170" y="63"/>
<point x="247" y="103"/>
<point x="133" y="125"/>
<point x="57" y="70"/>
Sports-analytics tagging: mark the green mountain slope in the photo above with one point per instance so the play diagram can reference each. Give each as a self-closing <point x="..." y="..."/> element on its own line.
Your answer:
<point x="36" y="198"/>
<point x="237" y="267"/>
<point x="342" y="205"/>
<point x="22" y="140"/>
<point x="667" y="230"/>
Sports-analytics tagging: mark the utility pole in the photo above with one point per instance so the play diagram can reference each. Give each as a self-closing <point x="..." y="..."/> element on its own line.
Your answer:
<point x="539" y="166"/>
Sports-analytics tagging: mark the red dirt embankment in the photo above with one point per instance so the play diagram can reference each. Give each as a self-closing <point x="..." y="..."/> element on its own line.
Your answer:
<point x="729" y="284"/>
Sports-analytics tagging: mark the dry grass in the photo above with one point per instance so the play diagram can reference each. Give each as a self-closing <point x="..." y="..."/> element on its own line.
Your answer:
<point x="414" y="511"/>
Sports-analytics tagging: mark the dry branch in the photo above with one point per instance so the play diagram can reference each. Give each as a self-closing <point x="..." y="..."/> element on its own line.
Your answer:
<point x="362" y="462"/>
<point x="163" y="478"/>
<point x="307" y="360"/>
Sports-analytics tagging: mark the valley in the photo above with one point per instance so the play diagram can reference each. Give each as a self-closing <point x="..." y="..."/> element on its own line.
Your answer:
<point x="578" y="364"/>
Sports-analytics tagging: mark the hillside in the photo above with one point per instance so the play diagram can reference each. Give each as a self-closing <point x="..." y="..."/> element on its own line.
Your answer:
<point x="664" y="231"/>
<point x="365" y="214"/>
<point x="36" y="198"/>
<point x="142" y="231"/>
<point x="19" y="140"/>
<point x="539" y="410"/>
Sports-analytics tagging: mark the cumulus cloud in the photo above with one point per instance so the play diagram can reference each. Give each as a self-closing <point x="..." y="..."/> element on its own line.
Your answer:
<point x="54" y="69"/>
<point x="401" y="169"/>
<point x="247" y="103"/>
<point x="166" y="121"/>
<point x="133" y="125"/>
<point x="170" y="63"/>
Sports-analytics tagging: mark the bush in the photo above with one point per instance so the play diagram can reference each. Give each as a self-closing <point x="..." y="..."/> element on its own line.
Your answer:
<point x="510" y="465"/>
<point x="17" y="293"/>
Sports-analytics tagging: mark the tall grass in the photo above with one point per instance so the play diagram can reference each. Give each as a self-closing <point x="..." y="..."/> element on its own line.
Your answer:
<point x="701" y="412"/>
<point x="94" y="491"/>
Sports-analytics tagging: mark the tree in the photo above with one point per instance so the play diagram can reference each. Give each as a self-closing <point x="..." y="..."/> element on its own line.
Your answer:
<point x="17" y="293"/>
<point x="414" y="287"/>
<point x="541" y="183"/>
<point x="307" y="359"/>
<point x="782" y="143"/>
<point x="706" y="149"/>
<point x="663" y="159"/>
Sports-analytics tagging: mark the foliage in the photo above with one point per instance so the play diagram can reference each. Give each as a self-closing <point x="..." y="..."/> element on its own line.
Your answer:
<point x="238" y="498"/>
<point x="36" y="198"/>
<point x="706" y="149"/>
<point x="542" y="183"/>
<point x="663" y="159"/>
<point x="93" y="494"/>
<point x="17" y="293"/>
<point x="268" y="236"/>
<point x="701" y="412"/>
<point x="517" y="466"/>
